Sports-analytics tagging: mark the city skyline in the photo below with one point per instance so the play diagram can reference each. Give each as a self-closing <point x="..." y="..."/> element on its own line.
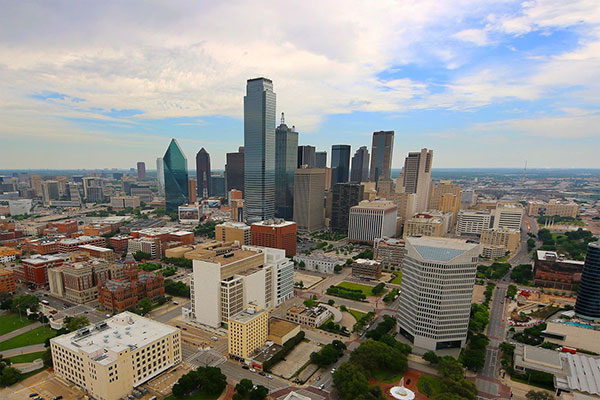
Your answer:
<point x="462" y="79"/>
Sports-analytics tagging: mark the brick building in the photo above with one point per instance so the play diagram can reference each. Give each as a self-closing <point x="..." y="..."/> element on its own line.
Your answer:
<point x="8" y="254"/>
<point x="42" y="246"/>
<point x="7" y="281"/>
<point x="119" y="243"/>
<point x="35" y="268"/>
<point x="117" y="295"/>
<point x="66" y="227"/>
<point x="275" y="233"/>
<point x="553" y="271"/>
<point x="70" y="245"/>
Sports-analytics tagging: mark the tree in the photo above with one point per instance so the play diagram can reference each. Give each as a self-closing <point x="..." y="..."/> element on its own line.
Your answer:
<point x="140" y="255"/>
<point x="213" y="381"/>
<point x="47" y="357"/>
<point x="245" y="390"/>
<point x="511" y="291"/>
<point x="373" y="355"/>
<point x="331" y="302"/>
<point x="449" y="367"/>
<point x="145" y="305"/>
<point x="337" y="268"/>
<point x="539" y="395"/>
<point x="75" y="323"/>
<point x="6" y="301"/>
<point x="24" y="302"/>
<point x="9" y="376"/>
<point x="431" y="357"/>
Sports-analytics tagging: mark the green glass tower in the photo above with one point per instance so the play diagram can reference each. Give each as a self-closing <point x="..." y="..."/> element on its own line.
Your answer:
<point x="176" y="176"/>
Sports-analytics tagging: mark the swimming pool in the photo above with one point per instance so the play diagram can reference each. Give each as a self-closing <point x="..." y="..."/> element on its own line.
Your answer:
<point x="578" y="324"/>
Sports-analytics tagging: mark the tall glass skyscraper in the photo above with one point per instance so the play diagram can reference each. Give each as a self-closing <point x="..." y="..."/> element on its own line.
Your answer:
<point x="160" y="176"/>
<point x="321" y="158"/>
<point x="286" y="155"/>
<point x="259" y="150"/>
<point x="360" y="165"/>
<point x="176" y="176"/>
<point x="203" y="175"/>
<point x="340" y="163"/>
<point x="588" y="295"/>
<point x="381" y="155"/>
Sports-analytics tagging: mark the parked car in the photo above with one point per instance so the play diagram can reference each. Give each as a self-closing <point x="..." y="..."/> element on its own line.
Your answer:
<point x="57" y="398"/>
<point x="321" y="386"/>
<point x="252" y="370"/>
<point x="33" y="394"/>
<point x="261" y="373"/>
<point x="332" y="370"/>
<point x="245" y="367"/>
<point x="269" y="377"/>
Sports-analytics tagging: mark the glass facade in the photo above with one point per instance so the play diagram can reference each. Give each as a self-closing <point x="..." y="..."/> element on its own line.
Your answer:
<point x="203" y="175"/>
<point x="588" y="296"/>
<point x="360" y="165"/>
<point x="259" y="150"/>
<point x="286" y="154"/>
<point x="340" y="163"/>
<point x="381" y="155"/>
<point x="175" y="176"/>
<point x="321" y="159"/>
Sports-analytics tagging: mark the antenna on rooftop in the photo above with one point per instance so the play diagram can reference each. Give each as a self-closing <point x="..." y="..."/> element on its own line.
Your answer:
<point x="282" y="119"/>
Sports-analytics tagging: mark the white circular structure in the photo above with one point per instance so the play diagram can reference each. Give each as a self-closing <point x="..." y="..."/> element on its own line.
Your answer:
<point x="402" y="393"/>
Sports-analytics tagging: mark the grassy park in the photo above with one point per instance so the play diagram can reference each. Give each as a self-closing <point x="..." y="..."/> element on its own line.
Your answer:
<point x="35" y="336"/>
<point x="357" y="286"/>
<point x="26" y="358"/>
<point x="11" y="322"/>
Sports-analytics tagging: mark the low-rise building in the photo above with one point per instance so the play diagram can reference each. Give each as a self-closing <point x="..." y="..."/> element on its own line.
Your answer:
<point x="370" y="220"/>
<point x="119" y="242"/>
<point x="121" y="202"/>
<point x="280" y="330"/>
<point x="98" y="252"/>
<point x="431" y="223"/>
<point x="248" y="330"/>
<point x="554" y="271"/>
<point x="8" y="254"/>
<point x="366" y="269"/>
<point x="108" y="360"/>
<point x="389" y="251"/>
<point x="42" y="246"/>
<point x="78" y="282"/>
<point x="582" y="336"/>
<point x="508" y="240"/>
<point x="317" y="263"/>
<point x="575" y="375"/>
<point x="275" y="233"/>
<point x="73" y="244"/>
<point x="7" y="281"/>
<point x="308" y="316"/>
<point x="472" y="222"/>
<point x="554" y="207"/>
<point x="35" y="268"/>
<point x="232" y="232"/>
<point x="189" y="214"/>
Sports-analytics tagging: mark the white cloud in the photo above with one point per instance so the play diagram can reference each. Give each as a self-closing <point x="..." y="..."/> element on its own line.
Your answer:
<point x="476" y="36"/>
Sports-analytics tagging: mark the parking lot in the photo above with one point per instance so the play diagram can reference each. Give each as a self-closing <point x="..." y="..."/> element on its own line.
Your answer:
<point x="45" y="384"/>
<point x="163" y="383"/>
<point x="296" y="359"/>
<point x="83" y="310"/>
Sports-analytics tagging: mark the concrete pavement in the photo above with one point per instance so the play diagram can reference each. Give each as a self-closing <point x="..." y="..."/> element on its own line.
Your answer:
<point x="23" y="350"/>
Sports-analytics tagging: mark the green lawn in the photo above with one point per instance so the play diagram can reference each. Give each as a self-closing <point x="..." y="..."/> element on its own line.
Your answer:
<point x="11" y="322"/>
<point x="428" y="385"/>
<point x="356" y="314"/>
<point x="357" y="286"/>
<point x="26" y="358"/>
<point x="397" y="279"/>
<point x="35" y="336"/>
<point x="196" y="396"/>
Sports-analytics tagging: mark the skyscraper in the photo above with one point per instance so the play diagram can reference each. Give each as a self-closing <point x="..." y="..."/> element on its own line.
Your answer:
<point x="160" y="176"/>
<point x="176" y="176"/>
<point x="340" y="163"/>
<point x="381" y="155"/>
<point x="234" y="170"/>
<point x="141" y="170"/>
<point x="307" y="156"/>
<point x="203" y="174"/>
<point x="438" y="275"/>
<point x="309" y="192"/>
<point x="286" y="154"/>
<point x="588" y="296"/>
<point x="259" y="150"/>
<point x="345" y="196"/>
<point x="360" y="165"/>
<point x="416" y="177"/>
<point x="321" y="159"/>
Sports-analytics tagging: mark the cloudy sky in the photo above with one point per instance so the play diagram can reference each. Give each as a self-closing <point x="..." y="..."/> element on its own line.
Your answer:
<point x="94" y="84"/>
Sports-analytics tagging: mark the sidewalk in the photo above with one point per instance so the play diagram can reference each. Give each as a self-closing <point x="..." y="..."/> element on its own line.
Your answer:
<point x="22" y="350"/>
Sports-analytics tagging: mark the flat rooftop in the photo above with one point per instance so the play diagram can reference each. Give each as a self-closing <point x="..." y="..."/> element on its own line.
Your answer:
<point x="440" y="248"/>
<point x="95" y="248"/>
<point x="275" y="223"/>
<point x="40" y="259"/>
<point x="279" y="327"/>
<point x="124" y="330"/>
<point x="80" y="239"/>
<point x="229" y="258"/>
<point x="246" y="315"/>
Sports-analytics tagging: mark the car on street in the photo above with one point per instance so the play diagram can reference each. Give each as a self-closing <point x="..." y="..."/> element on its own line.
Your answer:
<point x="318" y="378"/>
<point x="214" y="338"/>
<point x="269" y="377"/>
<point x="58" y="398"/>
<point x="245" y="367"/>
<point x="321" y="386"/>
<point x="252" y="370"/>
<point x="33" y="394"/>
<point x="332" y="370"/>
<point x="261" y="373"/>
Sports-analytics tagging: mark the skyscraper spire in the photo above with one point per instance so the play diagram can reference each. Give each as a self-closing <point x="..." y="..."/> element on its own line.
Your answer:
<point x="282" y="118"/>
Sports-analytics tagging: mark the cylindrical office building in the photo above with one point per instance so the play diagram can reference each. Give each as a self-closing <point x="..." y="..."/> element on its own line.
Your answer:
<point x="588" y="296"/>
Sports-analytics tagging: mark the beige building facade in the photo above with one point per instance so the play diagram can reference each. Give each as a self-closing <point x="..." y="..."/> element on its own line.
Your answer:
<point x="248" y="331"/>
<point x="232" y="232"/>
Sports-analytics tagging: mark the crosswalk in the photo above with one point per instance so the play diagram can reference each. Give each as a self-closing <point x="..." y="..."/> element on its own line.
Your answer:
<point x="205" y="358"/>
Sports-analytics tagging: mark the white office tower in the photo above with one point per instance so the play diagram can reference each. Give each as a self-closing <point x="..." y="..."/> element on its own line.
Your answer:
<point x="507" y="215"/>
<point x="108" y="359"/>
<point x="438" y="275"/>
<point x="416" y="177"/>
<point x="472" y="222"/>
<point x="370" y="220"/>
<point x="223" y="285"/>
